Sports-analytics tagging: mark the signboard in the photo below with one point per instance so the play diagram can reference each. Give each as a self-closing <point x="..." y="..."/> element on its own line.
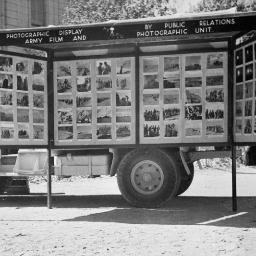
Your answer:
<point x="135" y="30"/>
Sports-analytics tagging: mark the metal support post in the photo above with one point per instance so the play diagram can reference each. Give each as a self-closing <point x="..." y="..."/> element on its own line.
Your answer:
<point x="234" y="194"/>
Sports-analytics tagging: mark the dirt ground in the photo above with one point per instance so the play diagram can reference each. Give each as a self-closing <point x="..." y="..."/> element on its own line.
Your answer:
<point x="90" y="217"/>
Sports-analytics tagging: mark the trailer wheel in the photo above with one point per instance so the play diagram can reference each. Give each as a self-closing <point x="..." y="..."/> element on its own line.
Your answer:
<point x="4" y="183"/>
<point x="147" y="177"/>
<point x="186" y="179"/>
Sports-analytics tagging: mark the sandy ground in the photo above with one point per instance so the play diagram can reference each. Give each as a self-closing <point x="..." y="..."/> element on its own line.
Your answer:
<point x="91" y="218"/>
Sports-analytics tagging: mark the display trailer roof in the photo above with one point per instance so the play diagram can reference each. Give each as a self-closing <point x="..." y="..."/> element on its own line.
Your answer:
<point x="209" y="26"/>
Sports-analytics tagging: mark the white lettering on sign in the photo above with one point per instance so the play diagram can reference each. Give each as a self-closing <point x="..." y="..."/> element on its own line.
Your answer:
<point x="67" y="32"/>
<point x="28" y="34"/>
<point x="79" y="38"/>
<point x="163" y="32"/>
<point x="57" y="39"/>
<point x="216" y="22"/>
<point x="34" y="40"/>
<point x="179" y="24"/>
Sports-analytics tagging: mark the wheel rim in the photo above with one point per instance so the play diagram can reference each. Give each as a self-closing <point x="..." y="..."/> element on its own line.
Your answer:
<point x="147" y="177"/>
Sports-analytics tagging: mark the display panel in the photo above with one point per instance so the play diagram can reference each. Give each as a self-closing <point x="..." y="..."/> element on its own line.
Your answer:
<point x="23" y="101"/>
<point x="95" y="101"/>
<point x="245" y="94"/>
<point x="183" y="98"/>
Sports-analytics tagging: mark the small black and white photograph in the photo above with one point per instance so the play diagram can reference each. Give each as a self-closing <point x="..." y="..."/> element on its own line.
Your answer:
<point x="23" y="115"/>
<point x="22" y="66"/>
<point x="171" y="130"/>
<point x="6" y="81"/>
<point x="23" y="131"/>
<point x="7" y="133"/>
<point x="239" y="109"/>
<point x="193" y="96"/>
<point x="104" y="84"/>
<point x="38" y="116"/>
<point x="38" y="68"/>
<point x="193" y="81"/>
<point x="214" y="80"/>
<point x="214" y="128"/>
<point x="248" y="108"/>
<point x="38" y="132"/>
<point x="171" y="64"/>
<point x="123" y="115"/>
<point x="64" y="85"/>
<point x="193" y="63"/>
<point x="38" y="83"/>
<point x="83" y="101"/>
<point x="104" y="99"/>
<point x="83" y="116"/>
<point x="151" y="130"/>
<point x="104" y="115"/>
<point x="6" y="114"/>
<point x="247" y="126"/>
<point x="151" y="99"/>
<point x="65" y="103"/>
<point x="239" y="57"/>
<point x="193" y="129"/>
<point x="63" y="69"/>
<point x="248" y="53"/>
<point x="83" y="68"/>
<point x="171" y="82"/>
<point x="83" y="84"/>
<point x="150" y="65"/>
<point x="239" y="126"/>
<point x="84" y="132"/>
<point x="214" y="95"/>
<point x="65" y="117"/>
<point x="22" y="83"/>
<point x="215" y="61"/>
<point x="22" y="99"/>
<point x="123" y="83"/>
<point x="239" y="91"/>
<point x="6" y="98"/>
<point x="123" y="131"/>
<point x="151" y="81"/>
<point x="193" y="112"/>
<point x="171" y="97"/>
<point x="103" y="67"/>
<point x="171" y="113"/>
<point x="239" y="75"/>
<point x="249" y="72"/>
<point x="123" y="66"/>
<point x="214" y="111"/>
<point x="151" y="114"/>
<point x="123" y="98"/>
<point x="6" y="64"/>
<point x="65" y="133"/>
<point x="104" y="132"/>
<point x="248" y="90"/>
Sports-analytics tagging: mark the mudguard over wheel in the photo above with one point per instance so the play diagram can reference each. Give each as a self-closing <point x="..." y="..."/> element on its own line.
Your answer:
<point x="148" y="177"/>
<point x="186" y="179"/>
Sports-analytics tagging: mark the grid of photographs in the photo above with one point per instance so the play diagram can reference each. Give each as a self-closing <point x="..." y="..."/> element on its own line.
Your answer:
<point x="23" y="101"/>
<point x="94" y="102"/>
<point x="183" y="97"/>
<point x="245" y="93"/>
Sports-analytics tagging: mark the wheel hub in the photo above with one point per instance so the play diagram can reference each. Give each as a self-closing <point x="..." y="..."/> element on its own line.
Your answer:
<point x="147" y="177"/>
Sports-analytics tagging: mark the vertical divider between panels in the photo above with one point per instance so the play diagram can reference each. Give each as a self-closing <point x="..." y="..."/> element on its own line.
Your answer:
<point x="137" y="95"/>
<point x="231" y="138"/>
<point x="50" y="91"/>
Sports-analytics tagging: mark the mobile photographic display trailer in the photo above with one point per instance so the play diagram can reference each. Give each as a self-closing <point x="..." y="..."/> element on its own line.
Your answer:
<point x="133" y="87"/>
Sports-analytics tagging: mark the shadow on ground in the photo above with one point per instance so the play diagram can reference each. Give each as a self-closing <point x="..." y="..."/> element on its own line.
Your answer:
<point x="180" y="211"/>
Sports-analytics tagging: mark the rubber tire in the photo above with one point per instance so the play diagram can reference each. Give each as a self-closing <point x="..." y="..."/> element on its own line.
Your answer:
<point x="4" y="183"/>
<point x="186" y="179"/>
<point x="170" y="184"/>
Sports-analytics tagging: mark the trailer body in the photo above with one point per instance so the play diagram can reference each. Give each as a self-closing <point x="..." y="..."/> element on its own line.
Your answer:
<point x="132" y="98"/>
